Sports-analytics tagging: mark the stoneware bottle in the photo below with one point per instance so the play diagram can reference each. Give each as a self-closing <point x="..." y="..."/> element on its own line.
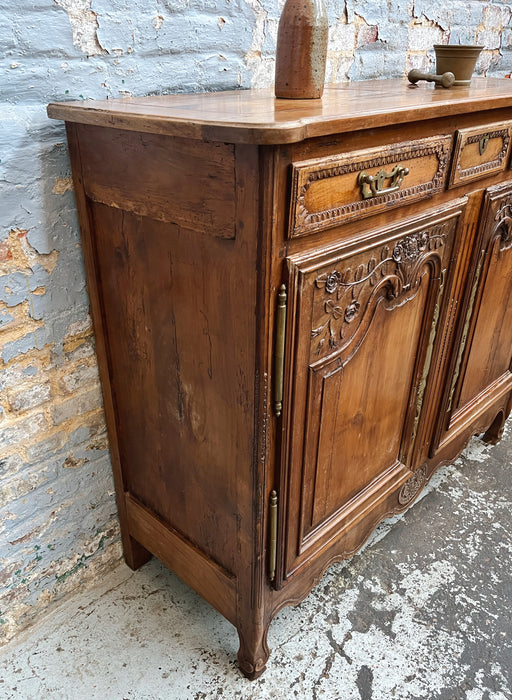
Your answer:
<point x="301" y="49"/>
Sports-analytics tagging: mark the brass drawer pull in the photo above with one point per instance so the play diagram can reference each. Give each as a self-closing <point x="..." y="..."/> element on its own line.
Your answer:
<point x="373" y="185"/>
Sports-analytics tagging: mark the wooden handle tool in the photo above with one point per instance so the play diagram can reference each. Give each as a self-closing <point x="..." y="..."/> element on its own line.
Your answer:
<point x="446" y="79"/>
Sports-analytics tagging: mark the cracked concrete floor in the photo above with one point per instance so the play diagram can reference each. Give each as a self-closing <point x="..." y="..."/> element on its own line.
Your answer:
<point x="425" y="611"/>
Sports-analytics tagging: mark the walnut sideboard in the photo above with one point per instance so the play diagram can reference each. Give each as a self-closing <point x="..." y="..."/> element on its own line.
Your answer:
<point x="301" y="309"/>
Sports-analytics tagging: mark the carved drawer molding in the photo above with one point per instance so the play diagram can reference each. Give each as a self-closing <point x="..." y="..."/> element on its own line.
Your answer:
<point x="480" y="151"/>
<point x="331" y="190"/>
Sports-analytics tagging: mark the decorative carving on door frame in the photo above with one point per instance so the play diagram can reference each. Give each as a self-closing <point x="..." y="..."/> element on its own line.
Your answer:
<point x="348" y="292"/>
<point x="503" y="225"/>
<point x="501" y="235"/>
<point x="413" y="486"/>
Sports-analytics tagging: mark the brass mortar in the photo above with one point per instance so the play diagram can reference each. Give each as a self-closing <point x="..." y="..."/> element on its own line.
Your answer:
<point x="458" y="59"/>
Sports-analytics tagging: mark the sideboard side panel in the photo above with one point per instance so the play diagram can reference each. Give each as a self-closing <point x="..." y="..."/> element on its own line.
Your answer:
<point x="135" y="554"/>
<point x="175" y="308"/>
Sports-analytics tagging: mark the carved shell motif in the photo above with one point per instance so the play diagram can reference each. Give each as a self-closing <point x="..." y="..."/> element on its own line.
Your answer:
<point x="346" y="291"/>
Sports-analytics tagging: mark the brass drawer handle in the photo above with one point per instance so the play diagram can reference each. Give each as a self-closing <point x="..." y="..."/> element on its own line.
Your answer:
<point x="373" y="185"/>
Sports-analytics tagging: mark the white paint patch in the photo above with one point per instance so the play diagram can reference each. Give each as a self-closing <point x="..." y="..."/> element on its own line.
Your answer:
<point x="389" y="656"/>
<point x="482" y="692"/>
<point x="157" y="22"/>
<point x="262" y="69"/>
<point x="420" y="586"/>
<point x="84" y="25"/>
<point x="477" y="451"/>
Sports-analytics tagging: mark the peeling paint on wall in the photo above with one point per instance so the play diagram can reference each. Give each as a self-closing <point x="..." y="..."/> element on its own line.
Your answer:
<point x="84" y="25"/>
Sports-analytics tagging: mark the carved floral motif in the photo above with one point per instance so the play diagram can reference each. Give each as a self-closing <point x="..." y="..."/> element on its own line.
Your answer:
<point x="347" y="291"/>
<point x="411" y="247"/>
<point x="351" y="311"/>
<point x="332" y="281"/>
<point x="413" y="486"/>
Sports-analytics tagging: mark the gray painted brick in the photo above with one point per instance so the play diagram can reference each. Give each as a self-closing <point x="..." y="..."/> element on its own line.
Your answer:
<point x="76" y="406"/>
<point x="22" y="430"/>
<point x="46" y="447"/>
<point x="10" y="464"/>
<point x="75" y="380"/>
<point x="15" y="288"/>
<point x="30" y="398"/>
<point x="48" y="38"/>
<point x="30" y="341"/>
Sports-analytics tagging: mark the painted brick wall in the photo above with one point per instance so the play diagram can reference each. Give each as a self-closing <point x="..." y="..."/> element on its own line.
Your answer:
<point x="58" y="524"/>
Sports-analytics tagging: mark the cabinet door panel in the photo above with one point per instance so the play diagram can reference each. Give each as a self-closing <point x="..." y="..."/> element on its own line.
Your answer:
<point x="484" y="365"/>
<point x="364" y="324"/>
<point x="491" y="349"/>
<point x="356" y="428"/>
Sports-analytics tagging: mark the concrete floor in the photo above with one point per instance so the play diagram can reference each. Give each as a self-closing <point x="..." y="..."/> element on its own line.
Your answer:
<point x="425" y="611"/>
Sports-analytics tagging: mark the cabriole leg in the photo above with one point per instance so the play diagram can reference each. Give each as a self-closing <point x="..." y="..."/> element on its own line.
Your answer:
<point x="254" y="652"/>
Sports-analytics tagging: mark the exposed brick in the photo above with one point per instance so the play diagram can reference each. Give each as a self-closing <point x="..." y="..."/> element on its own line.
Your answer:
<point x="16" y="374"/>
<point x="81" y="350"/>
<point x="23" y="430"/>
<point x="5" y="318"/>
<point x="30" y="398"/>
<point x="366" y="34"/>
<point x="23" y="483"/>
<point x="77" y="379"/>
<point x="76" y="406"/>
<point x="5" y="252"/>
<point x="342" y="35"/>
<point x="490" y="38"/>
<point x="10" y="464"/>
<point x="72" y="462"/>
<point x="7" y="572"/>
<point x="422" y="36"/>
<point x="46" y="447"/>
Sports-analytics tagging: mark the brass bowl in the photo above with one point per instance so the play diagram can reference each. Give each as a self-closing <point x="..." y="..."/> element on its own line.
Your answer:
<point x="457" y="59"/>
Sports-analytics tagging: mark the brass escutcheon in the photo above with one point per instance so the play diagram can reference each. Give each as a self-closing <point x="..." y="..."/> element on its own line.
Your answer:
<point x="482" y="144"/>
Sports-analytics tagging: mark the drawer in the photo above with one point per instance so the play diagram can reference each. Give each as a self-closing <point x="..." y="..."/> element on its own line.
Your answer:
<point x="480" y="151"/>
<point x="331" y="190"/>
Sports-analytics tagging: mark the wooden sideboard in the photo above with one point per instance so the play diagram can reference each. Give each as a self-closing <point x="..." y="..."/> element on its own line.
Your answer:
<point x="301" y="308"/>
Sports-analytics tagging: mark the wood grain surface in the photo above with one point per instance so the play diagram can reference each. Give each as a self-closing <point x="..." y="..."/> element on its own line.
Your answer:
<point x="256" y="116"/>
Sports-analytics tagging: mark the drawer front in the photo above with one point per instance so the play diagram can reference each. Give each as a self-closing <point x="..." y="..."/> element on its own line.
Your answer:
<point x="329" y="191"/>
<point x="480" y="151"/>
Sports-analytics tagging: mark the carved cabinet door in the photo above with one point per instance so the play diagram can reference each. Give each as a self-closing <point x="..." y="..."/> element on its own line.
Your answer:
<point x="361" y="339"/>
<point x="482" y="371"/>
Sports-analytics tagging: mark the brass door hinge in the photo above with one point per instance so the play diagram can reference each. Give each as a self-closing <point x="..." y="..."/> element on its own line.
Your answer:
<point x="272" y="548"/>
<point x="279" y="350"/>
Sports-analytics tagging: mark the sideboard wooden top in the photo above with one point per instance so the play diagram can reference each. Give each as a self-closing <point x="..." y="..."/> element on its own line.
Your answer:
<point x="256" y="116"/>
